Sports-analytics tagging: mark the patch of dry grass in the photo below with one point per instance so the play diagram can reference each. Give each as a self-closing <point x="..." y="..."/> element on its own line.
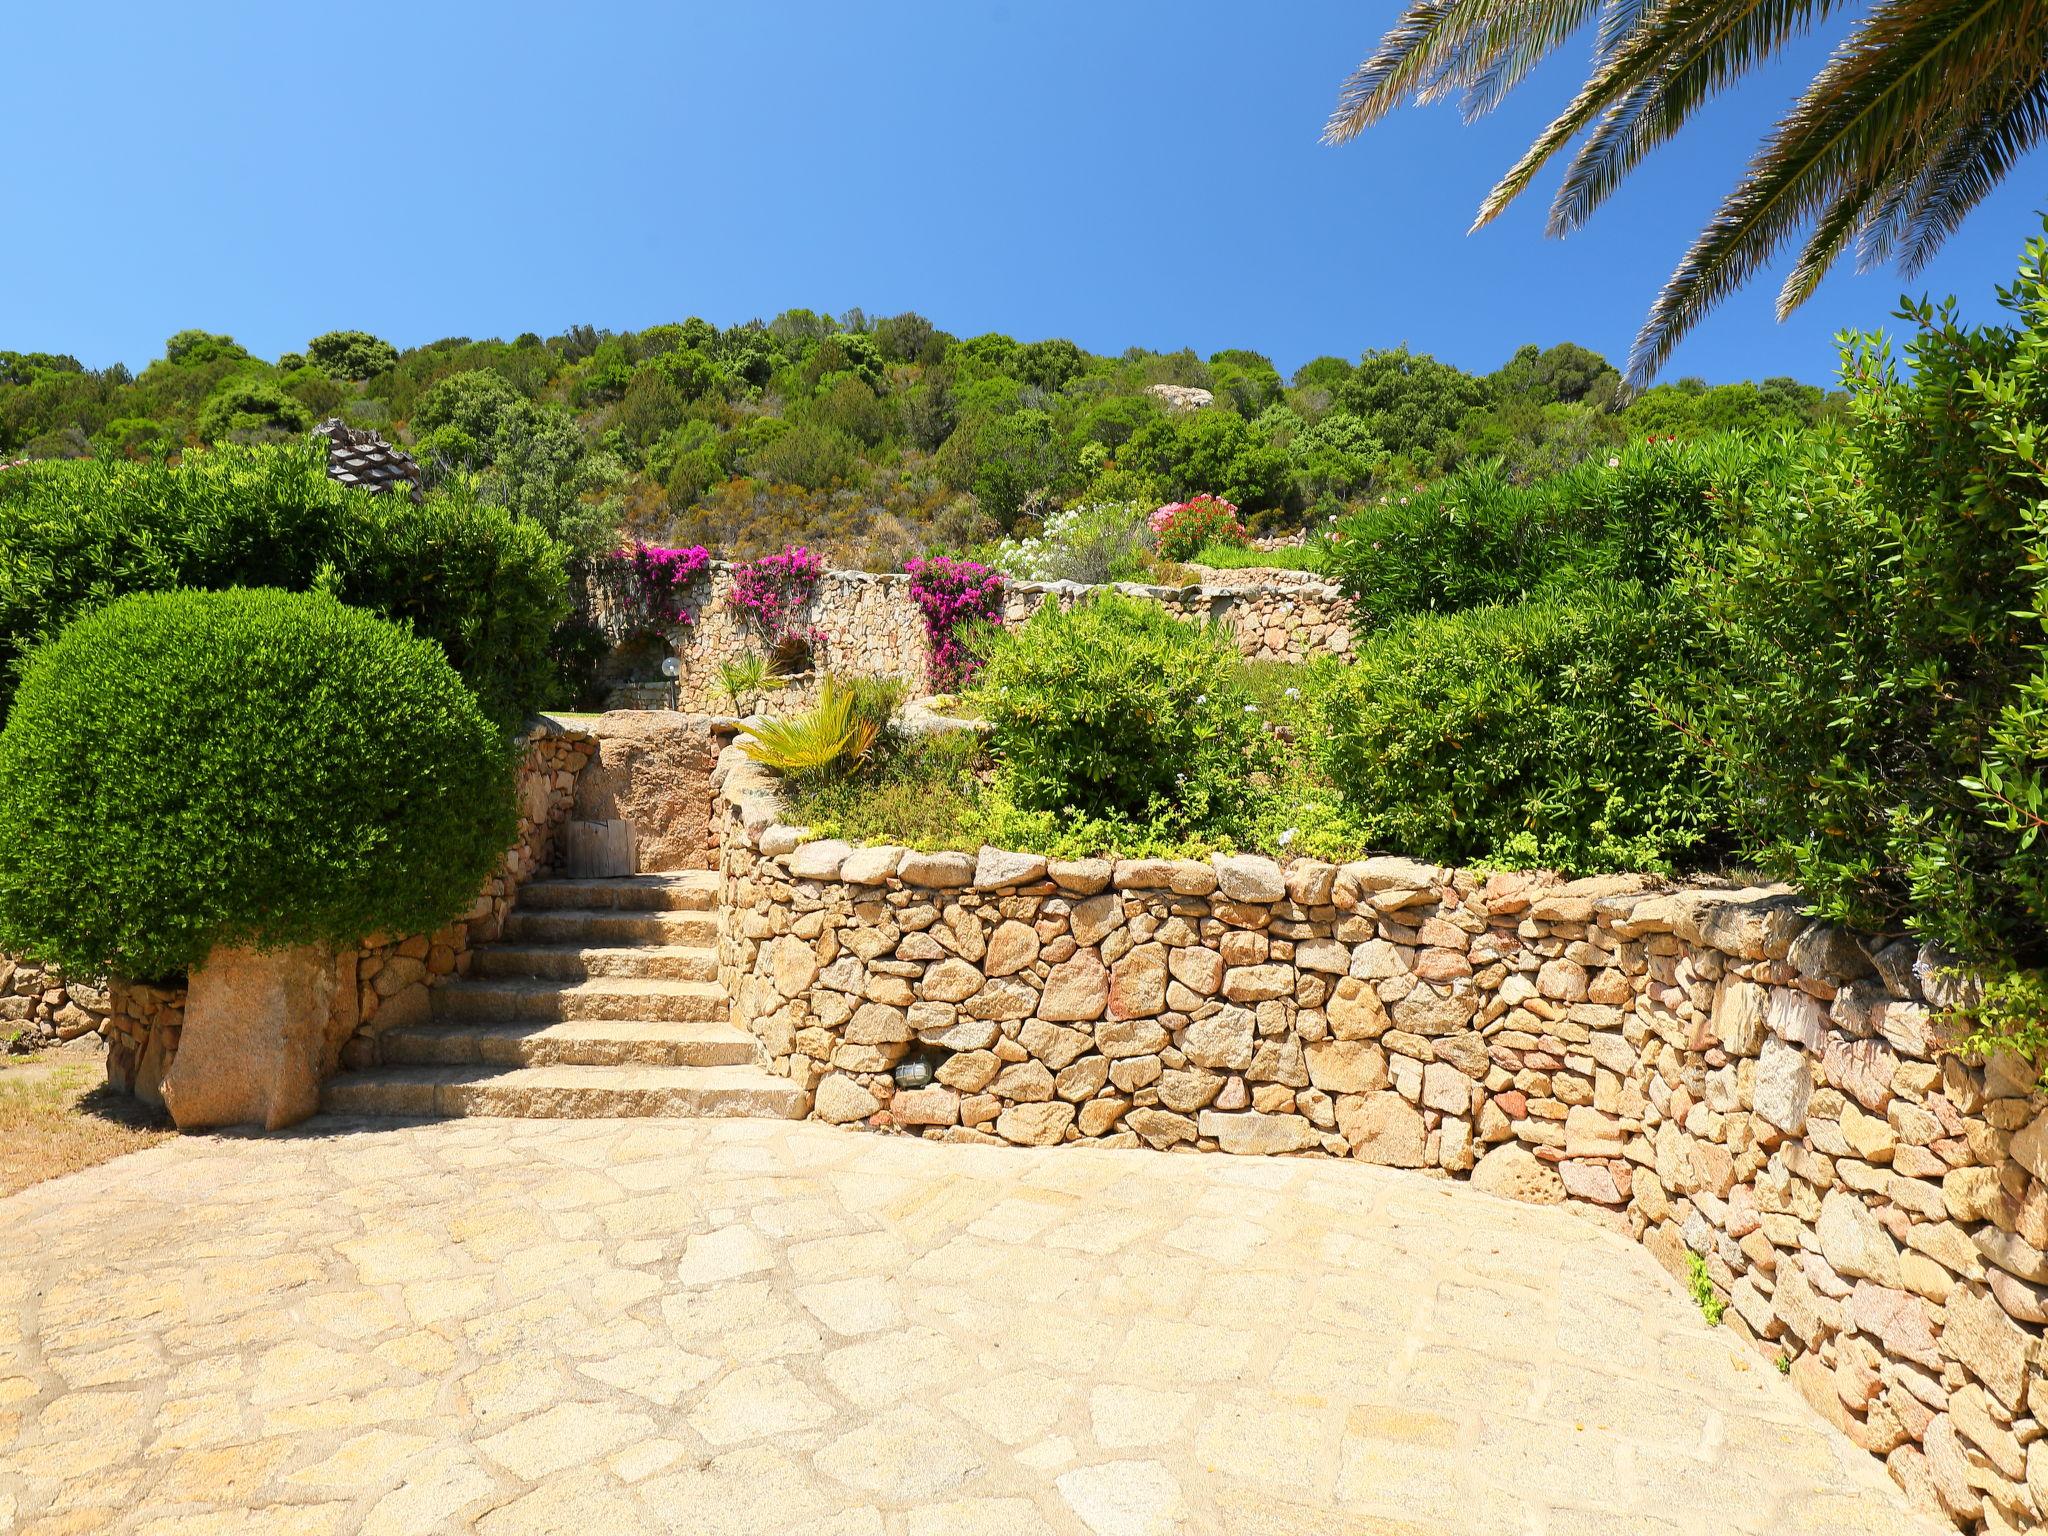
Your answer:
<point x="57" y="1116"/>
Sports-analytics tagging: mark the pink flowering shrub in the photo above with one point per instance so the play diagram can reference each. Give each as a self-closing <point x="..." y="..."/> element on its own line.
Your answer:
<point x="644" y="585"/>
<point x="770" y="593"/>
<point x="953" y="594"/>
<point x="1183" y="527"/>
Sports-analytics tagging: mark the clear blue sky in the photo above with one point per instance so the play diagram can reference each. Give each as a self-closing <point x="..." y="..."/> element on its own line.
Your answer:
<point x="1119" y="172"/>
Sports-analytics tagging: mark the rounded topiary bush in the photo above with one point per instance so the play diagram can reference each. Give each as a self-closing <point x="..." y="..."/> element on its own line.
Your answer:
<point x="1114" y="707"/>
<point x="188" y="769"/>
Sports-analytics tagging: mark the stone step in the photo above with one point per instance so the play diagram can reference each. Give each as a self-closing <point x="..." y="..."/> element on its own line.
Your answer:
<point x="499" y="1000"/>
<point x="589" y="1043"/>
<point x="597" y="928"/>
<point x="573" y="962"/>
<point x="689" y="890"/>
<point x="563" y="1093"/>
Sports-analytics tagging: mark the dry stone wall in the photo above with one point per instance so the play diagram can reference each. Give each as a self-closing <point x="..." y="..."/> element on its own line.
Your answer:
<point x="872" y="629"/>
<point x="1706" y="1071"/>
<point x="40" y="1007"/>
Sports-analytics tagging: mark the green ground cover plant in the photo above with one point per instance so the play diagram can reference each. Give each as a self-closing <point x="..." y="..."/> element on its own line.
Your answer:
<point x="188" y="769"/>
<point x="1311" y="556"/>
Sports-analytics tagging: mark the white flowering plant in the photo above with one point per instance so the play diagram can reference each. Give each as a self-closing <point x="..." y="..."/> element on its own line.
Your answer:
<point x="1088" y="542"/>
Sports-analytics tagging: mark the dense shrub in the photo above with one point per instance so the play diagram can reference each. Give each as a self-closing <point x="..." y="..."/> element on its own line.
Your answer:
<point x="251" y="406"/>
<point x="1114" y="708"/>
<point x="1880" y="707"/>
<point x="351" y="354"/>
<point x="188" y="769"/>
<point x="488" y="587"/>
<point x="1214" y="452"/>
<point x="1476" y="537"/>
<point x="1513" y="735"/>
<point x="75" y="534"/>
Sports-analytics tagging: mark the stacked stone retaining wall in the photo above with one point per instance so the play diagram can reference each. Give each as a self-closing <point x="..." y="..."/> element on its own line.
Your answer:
<point x="1743" y="1090"/>
<point x="871" y="628"/>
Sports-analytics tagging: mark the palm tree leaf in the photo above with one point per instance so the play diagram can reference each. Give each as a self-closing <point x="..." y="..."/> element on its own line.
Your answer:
<point x="1439" y="46"/>
<point x="1725" y="43"/>
<point x="1975" y="161"/>
<point x="1504" y="63"/>
<point x="1646" y="88"/>
<point x="1860" y="123"/>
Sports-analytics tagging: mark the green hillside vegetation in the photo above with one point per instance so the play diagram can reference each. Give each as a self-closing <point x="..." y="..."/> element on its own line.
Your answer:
<point x="872" y="438"/>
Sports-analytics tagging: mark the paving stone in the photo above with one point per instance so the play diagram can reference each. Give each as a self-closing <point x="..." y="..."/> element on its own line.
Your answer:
<point x="739" y="1326"/>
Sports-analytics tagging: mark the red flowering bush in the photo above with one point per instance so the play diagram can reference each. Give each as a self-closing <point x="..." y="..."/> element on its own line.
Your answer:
<point x="952" y="595"/>
<point x="1183" y="527"/>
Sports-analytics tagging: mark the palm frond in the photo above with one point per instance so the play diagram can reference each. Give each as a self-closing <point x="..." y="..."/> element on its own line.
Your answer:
<point x="810" y="743"/>
<point x="1975" y="162"/>
<point x="1645" y="90"/>
<point x="1861" y="121"/>
<point x="1441" y="46"/>
<point x="1503" y="62"/>
<point x="1725" y="43"/>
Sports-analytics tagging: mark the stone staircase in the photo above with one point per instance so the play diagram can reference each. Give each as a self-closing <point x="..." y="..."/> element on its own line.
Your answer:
<point x="601" y="999"/>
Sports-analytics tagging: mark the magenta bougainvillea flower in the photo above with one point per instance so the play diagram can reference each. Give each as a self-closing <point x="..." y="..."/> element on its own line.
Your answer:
<point x="647" y="582"/>
<point x="952" y="594"/>
<point x="771" y="594"/>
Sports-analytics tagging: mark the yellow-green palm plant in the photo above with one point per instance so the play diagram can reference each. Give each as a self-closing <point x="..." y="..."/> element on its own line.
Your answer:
<point x="829" y="735"/>
<point x="1916" y="116"/>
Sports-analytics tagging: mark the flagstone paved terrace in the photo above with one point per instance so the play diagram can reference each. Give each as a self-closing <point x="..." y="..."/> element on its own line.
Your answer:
<point x="729" y="1327"/>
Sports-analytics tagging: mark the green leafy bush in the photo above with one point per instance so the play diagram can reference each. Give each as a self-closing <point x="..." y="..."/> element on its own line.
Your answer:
<point x="1879" y="703"/>
<point x="188" y="769"/>
<point x="75" y="534"/>
<point x="489" y="587"/>
<point x="1512" y="735"/>
<point x="1477" y="537"/>
<point x="351" y="354"/>
<point x="1116" y="708"/>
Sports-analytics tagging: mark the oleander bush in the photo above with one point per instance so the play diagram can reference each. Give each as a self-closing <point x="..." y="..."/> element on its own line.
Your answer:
<point x="1478" y="536"/>
<point x="189" y="769"/>
<point x="1878" y="704"/>
<point x="1183" y="527"/>
<point x="1513" y="735"/>
<point x="1115" y="708"/>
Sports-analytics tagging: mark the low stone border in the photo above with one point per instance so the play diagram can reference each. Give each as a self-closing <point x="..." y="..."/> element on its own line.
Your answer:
<point x="1706" y="1071"/>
